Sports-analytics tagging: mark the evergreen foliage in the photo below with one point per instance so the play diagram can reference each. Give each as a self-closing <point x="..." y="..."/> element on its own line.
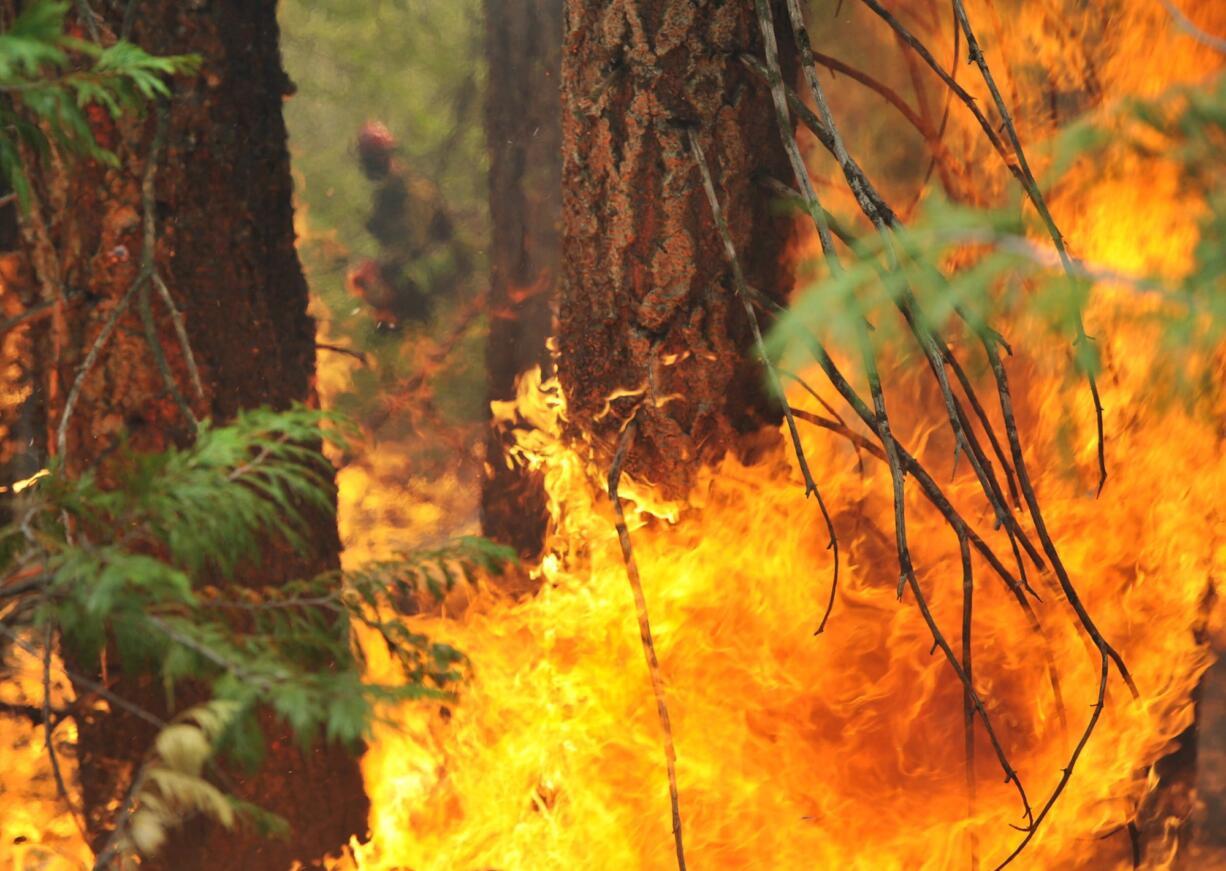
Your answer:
<point x="142" y="565"/>
<point x="50" y="81"/>
<point x="1007" y="275"/>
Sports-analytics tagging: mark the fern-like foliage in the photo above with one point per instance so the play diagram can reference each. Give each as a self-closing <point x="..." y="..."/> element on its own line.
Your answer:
<point x="144" y="564"/>
<point x="50" y="79"/>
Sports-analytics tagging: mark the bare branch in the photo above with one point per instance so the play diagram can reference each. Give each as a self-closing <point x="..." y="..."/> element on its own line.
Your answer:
<point x="649" y="648"/>
<point x="1188" y="26"/>
<point x="742" y="292"/>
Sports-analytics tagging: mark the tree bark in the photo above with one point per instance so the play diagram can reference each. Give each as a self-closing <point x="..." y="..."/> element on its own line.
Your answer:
<point x="225" y="247"/>
<point x="524" y="129"/>
<point x="648" y="318"/>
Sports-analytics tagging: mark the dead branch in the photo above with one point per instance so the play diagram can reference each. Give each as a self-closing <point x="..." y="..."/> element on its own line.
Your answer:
<point x="649" y="648"/>
<point x="340" y="349"/>
<point x="49" y="730"/>
<point x="149" y="268"/>
<point x="968" y="708"/>
<point x="33" y="314"/>
<point x="1188" y="26"/>
<point x="881" y="423"/>
<point x="1036" y="197"/>
<point x="742" y="292"/>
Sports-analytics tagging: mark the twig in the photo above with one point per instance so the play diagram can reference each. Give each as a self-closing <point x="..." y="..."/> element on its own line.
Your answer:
<point x="868" y="199"/>
<point x="91" y="359"/>
<point x="116" y="839"/>
<point x="880" y="88"/>
<point x="881" y="418"/>
<point x="129" y="19"/>
<point x="34" y="713"/>
<point x="341" y="349"/>
<point x="649" y="649"/>
<point x="149" y="268"/>
<point x="49" y="729"/>
<point x="176" y="316"/>
<point x="742" y="292"/>
<point x="835" y="426"/>
<point x="87" y="15"/>
<point x="33" y="314"/>
<point x="1188" y="26"/>
<point x="968" y="708"/>
<point x="1036" y="197"/>
<point x="89" y="683"/>
<point x="965" y="98"/>
<point x="1106" y="651"/>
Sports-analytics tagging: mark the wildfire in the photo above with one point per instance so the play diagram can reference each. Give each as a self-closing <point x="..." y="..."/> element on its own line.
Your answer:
<point x="840" y="751"/>
<point x="844" y="750"/>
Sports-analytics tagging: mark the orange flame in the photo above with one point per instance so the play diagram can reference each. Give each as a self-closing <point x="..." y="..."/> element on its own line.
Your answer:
<point x="845" y="750"/>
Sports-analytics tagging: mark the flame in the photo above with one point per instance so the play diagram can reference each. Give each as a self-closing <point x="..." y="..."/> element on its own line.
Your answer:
<point x="844" y="750"/>
<point x="36" y="829"/>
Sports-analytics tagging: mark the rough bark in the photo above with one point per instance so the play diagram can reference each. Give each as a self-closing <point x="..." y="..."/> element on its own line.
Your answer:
<point x="225" y="247"/>
<point x="647" y="315"/>
<point x="524" y="130"/>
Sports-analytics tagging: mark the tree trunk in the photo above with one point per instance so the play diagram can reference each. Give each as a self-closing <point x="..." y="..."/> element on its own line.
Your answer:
<point x="225" y="247"/>
<point x="648" y="318"/>
<point x="524" y="130"/>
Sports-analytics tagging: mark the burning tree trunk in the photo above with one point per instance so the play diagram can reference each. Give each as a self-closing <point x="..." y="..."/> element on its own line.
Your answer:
<point x="178" y="295"/>
<point x="523" y="127"/>
<point x="649" y="323"/>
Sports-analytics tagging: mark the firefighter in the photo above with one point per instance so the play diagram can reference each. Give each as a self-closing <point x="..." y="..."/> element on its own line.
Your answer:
<point x="420" y="258"/>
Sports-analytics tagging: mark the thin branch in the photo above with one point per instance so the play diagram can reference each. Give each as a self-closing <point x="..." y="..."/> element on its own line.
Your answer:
<point x="881" y="418"/>
<point x="176" y="316"/>
<point x="341" y="349"/>
<point x="149" y="267"/>
<point x="836" y="427"/>
<point x="90" y="684"/>
<point x="935" y="349"/>
<point x="116" y="840"/>
<point x="963" y="96"/>
<point x="35" y="714"/>
<point x="742" y="292"/>
<point x="90" y="19"/>
<point x="880" y="88"/>
<point x="1036" y="197"/>
<point x="968" y="707"/>
<point x="129" y="19"/>
<point x="33" y="314"/>
<point x="649" y="649"/>
<point x="91" y="359"/>
<point x="49" y="729"/>
<point x="1188" y="26"/>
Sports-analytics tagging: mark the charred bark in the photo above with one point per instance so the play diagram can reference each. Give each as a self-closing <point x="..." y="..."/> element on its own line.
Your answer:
<point x="524" y="130"/>
<point x="224" y="245"/>
<point x="648" y="322"/>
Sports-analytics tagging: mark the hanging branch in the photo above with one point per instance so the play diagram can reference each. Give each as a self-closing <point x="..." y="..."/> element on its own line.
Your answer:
<point x="1036" y="197"/>
<point x="1020" y="169"/>
<point x="865" y="197"/>
<point x="868" y="200"/>
<point x="968" y="707"/>
<point x="49" y="730"/>
<point x="742" y="292"/>
<point x="881" y="418"/>
<point x="649" y="648"/>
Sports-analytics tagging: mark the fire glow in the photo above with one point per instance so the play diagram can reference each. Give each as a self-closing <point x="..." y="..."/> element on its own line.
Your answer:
<point x="840" y="751"/>
<point x="844" y="750"/>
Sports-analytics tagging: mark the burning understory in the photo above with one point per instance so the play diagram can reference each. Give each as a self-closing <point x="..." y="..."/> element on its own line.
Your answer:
<point x="848" y="749"/>
<point x="848" y="742"/>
